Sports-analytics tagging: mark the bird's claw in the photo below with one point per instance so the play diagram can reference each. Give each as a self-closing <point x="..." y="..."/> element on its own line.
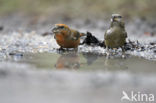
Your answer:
<point x="61" y="50"/>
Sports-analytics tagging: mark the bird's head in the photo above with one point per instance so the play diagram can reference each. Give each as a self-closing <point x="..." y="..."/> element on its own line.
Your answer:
<point x="60" y="29"/>
<point x="116" y="18"/>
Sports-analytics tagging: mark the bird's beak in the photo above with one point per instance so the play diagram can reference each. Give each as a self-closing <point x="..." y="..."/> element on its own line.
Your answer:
<point x="55" y="30"/>
<point x="117" y="19"/>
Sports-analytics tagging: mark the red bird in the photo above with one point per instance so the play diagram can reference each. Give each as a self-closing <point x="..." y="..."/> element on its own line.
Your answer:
<point x="66" y="37"/>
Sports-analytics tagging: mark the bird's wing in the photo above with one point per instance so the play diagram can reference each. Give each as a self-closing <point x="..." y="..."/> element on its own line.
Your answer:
<point x="108" y="34"/>
<point x="75" y="35"/>
<point x="125" y="34"/>
<point x="122" y="24"/>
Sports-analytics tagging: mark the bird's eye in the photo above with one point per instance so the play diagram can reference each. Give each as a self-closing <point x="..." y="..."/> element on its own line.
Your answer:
<point x="61" y="27"/>
<point x="119" y="16"/>
<point x="114" y="17"/>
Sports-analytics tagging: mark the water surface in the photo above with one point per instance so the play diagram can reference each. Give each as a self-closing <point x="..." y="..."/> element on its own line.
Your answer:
<point x="73" y="77"/>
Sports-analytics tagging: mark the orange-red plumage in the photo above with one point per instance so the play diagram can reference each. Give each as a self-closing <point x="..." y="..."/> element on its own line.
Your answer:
<point x="66" y="37"/>
<point x="70" y="61"/>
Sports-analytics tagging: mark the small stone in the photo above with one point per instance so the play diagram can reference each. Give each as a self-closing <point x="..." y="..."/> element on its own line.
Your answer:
<point x="15" y="54"/>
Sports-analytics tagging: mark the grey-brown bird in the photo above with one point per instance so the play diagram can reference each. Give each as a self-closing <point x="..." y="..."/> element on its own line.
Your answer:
<point x="116" y="35"/>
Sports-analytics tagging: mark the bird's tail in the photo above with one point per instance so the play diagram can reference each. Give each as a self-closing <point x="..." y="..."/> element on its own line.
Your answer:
<point x="83" y="34"/>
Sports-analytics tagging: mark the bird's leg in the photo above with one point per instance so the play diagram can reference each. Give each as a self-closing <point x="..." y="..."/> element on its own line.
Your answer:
<point x="115" y="51"/>
<point x="67" y="49"/>
<point x="75" y="49"/>
<point x="61" y="49"/>
<point x="123" y="52"/>
<point x="107" y="52"/>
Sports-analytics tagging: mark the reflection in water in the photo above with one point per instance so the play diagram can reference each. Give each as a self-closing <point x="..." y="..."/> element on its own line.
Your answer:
<point x="72" y="60"/>
<point x="90" y="57"/>
<point x="68" y="61"/>
<point x="105" y="63"/>
<point x="88" y="61"/>
<point x="115" y="64"/>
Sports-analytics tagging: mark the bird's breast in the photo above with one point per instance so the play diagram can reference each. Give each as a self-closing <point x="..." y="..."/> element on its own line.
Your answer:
<point x="65" y="42"/>
<point x="116" y="37"/>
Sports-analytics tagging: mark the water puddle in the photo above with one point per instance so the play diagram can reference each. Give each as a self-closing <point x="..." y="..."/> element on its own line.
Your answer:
<point x="86" y="62"/>
<point x="74" y="78"/>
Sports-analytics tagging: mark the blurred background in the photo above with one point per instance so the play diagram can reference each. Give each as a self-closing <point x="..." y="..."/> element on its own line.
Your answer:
<point x="80" y="9"/>
<point x="41" y="15"/>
